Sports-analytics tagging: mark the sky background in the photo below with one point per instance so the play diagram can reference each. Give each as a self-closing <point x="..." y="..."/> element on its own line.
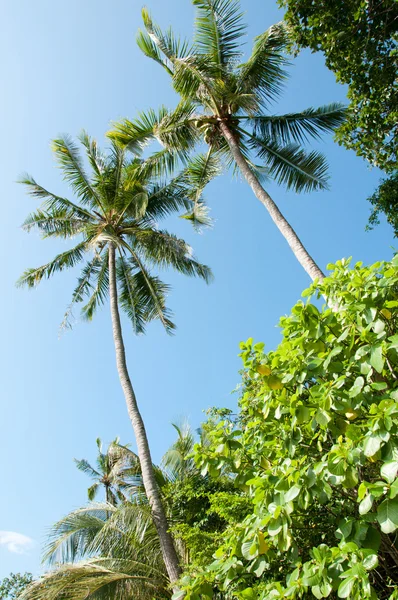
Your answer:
<point x="74" y="65"/>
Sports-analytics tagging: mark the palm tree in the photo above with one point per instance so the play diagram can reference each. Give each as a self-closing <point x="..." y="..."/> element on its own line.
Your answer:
<point x="224" y="103"/>
<point x="107" y="551"/>
<point x="109" y="474"/>
<point x="115" y="221"/>
<point x="103" y="551"/>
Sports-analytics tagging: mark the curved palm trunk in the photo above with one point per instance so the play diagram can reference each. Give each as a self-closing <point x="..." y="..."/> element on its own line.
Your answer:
<point x="148" y="476"/>
<point x="305" y="260"/>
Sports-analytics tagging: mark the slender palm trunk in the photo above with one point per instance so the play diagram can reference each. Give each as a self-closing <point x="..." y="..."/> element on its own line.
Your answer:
<point x="148" y="476"/>
<point x="305" y="260"/>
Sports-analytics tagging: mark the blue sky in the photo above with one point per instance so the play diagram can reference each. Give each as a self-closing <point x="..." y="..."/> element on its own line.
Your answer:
<point x="74" y="65"/>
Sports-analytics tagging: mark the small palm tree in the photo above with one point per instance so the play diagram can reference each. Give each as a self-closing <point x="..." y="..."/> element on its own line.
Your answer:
<point x="103" y="551"/>
<point x="107" y="551"/>
<point x="108" y="474"/>
<point x="224" y="103"/>
<point x="115" y="219"/>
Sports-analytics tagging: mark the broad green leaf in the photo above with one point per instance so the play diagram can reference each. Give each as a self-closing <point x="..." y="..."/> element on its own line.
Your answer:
<point x="376" y="358"/>
<point x="357" y="387"/>
<point x="345" y="587"/>
<point x="292" y="493"/>
<point x="370" y="562"/>
<point x="322" y="417"/>
<point x="366" y="504"/>
<point x="387" y="515"/>
<point x="275" y="526"/>
<point x="372" y="444"/>
<point x="394" y="489"/>
<point x="389" y="470"/>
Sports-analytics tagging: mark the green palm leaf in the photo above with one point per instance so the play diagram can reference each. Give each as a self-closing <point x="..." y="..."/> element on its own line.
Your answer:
<point x="56" y="223"/>
<point x="219" y="28"/>
<point x="51" y="201"/>
<point x="150" y="294"/>
<point x="71" y="163"/>
<point x="264" y="73"/>
<point x="65" y="260"/>
<point x="165" y="250"/>
<point x="292" y="166"/>
<point x="298" y="127"/>
<point x="99" y="291"/>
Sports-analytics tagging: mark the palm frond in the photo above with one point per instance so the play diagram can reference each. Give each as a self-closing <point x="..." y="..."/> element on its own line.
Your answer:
<point x="92" y="490"/>
<point x="199" y="216"/>
<point x="70" y="161"/>
<point x="176" y="131"/>
<point x="136" y="134"/>
<point x="99" y="291"/>
<point x="298" y="127"/>
<point x="151" y="50"/>
<point x="72" y="536"/>
<point x="218" y="30"/>
<point x="96" y="158"/>
<point x="164" y="249"/>
<point x="167" y="43"/>
<point x="83" y="288"/>
<point x="166" y="198"/>
<point x="131" y="297"/>
<point x="65" y="260"/>
<point x="200" y="170"/>
<point x="59" y="222"/>
<point x="194" y="79"/>
<point x="264" y="73"/>
<point x="51" y="201"/>
<point x="97" y="578"/>
<point x="162" y="163"/>
<point x="84" y="466"/>
<point x="292" y="166"/>
<point x="150" y="292"/>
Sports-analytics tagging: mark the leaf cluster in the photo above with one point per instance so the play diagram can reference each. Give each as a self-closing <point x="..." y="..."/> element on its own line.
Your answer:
<point x="359" y="42"/>
<point x="315" y="446"/>
<point x="216" y="88"/>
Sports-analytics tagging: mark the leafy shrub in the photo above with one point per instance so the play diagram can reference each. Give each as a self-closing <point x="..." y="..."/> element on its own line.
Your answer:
<point x="315" y="446"/>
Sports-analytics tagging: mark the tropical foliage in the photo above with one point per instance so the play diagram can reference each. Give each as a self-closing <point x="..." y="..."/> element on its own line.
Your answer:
<point x="359" y="41"/>
<point x="384" y="201"/>
<point x="115" y="221"/>
<point x="12" y="586"/>
<point x="315" y="445"/>
<point x="110" y="474"/>
<point x="104" y="550"/>
<point x="226" y="104"/>
<point x="118" y="205"/>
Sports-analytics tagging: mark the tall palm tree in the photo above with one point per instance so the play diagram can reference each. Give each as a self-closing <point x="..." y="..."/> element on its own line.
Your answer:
<point x="109" y="474"/>
<point x="114" y="219"/>
<point x="224" y="103"/>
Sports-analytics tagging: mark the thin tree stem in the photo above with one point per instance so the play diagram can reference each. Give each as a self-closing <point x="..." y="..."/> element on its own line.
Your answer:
<point x="148" y="476"/>
<point x="300" y="252"/>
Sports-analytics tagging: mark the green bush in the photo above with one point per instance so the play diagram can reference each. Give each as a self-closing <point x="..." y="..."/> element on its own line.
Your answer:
<point x="315" y="446"/>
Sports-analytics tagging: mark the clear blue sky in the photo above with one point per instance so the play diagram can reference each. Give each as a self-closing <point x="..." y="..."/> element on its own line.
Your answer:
<point x="71" y="65"/>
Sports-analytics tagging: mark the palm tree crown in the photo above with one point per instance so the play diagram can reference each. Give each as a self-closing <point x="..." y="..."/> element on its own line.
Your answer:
<point x="109" y="474"/>
<point x="224" y="102"/>
<point x="118" y="206"/>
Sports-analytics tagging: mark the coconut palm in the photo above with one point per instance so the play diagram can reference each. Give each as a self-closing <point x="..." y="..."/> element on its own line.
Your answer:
<point x="109" y="474"/>
<point x="225" y="102"/>
<point x="115" y="220"/>
<point x="113" y="552"/>
<point x="103" y="551"/>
